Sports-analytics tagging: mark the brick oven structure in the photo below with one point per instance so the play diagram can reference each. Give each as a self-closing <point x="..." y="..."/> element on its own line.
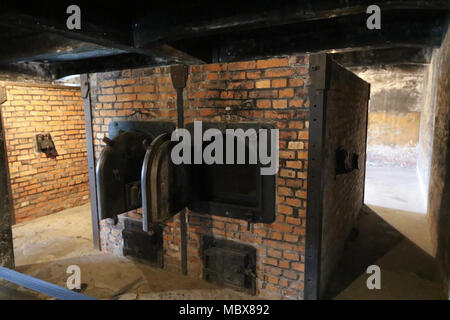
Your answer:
<point x="282" y="92"/>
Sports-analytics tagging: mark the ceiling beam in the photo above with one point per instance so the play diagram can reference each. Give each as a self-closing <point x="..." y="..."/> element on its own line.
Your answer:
<point x="334" y="35"/>
<point x="103" y="64"/>
<point x="157" y="28"/>
<point x="380" y="57"/>
<point x="25" y="71"/>
<point x="47" y="46"/>
<point x="104" y="36"/>
<point x="100" y="35"/>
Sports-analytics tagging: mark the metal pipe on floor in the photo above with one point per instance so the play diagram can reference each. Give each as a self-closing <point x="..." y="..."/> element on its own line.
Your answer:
<point x="41" y="286"/>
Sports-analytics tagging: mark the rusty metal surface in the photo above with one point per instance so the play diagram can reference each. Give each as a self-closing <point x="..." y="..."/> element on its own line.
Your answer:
<point x="147" y="165"/>
<point x="179" y="74"/>
<point x="44" y="143"/>
<point x="118" y="169"/>
<point x="165" y="186"/>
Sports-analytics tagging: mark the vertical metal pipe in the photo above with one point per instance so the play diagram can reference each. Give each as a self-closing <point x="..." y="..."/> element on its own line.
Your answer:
<point x="183" y="225"/>
<point x="180" y="108"/>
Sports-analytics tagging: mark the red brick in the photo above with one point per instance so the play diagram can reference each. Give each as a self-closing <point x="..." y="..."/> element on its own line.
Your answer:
<point x="241" y="65"/>
<point x="284" y="191"/>
<point x="253" y="74"/>
<point x="279" y="83"/>
<point x="300" y="194"/>
<point x="125" y="81"/>
<point x="274" y="253"/>
<point x="287" y="155"/>
<point x="277" y="73"/>
<point x="262" y="84"/>
<point x="298" y="82"/>
<point x="290" y="274"/>
<point x="212" y="67"/>
<point x="108" y="83"/>
<point x="270" y="261"/>
<point x="279" y="104"/>
<point x="298" y="266"/>
<point x="271" y="63"/>
<point x="107" y="98"/>
<point x="291" y="256"/>
<point x="263" y="104"/>
<point x="286" y="93"/>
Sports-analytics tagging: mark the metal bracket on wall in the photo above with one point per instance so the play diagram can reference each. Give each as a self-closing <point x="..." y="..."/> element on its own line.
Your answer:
<point x="3" y="96"/>
<point x="84" y="83"/>
<point x="85" y="93"/>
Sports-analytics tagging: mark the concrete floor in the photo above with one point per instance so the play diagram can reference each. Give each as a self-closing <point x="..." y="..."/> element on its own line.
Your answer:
<point x="407" y="271"/>
<point x="46" y="246"/>
<point x="395" y="188"/>
<point x="58" y="236"/>
<point x="394" y="194"/>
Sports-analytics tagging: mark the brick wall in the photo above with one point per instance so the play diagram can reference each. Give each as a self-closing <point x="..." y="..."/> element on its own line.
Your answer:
<point x="346" y="128"/>
<point x="274" y="91"/>
<point x="41" y="185"/>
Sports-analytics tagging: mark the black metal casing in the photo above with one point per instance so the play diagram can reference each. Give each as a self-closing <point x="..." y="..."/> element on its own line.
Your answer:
<point x="119" y="166"/>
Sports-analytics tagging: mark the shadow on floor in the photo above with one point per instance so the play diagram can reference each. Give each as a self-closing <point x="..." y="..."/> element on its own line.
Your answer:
<point x="407" y="272"/>
<point x="413" y="226"/>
